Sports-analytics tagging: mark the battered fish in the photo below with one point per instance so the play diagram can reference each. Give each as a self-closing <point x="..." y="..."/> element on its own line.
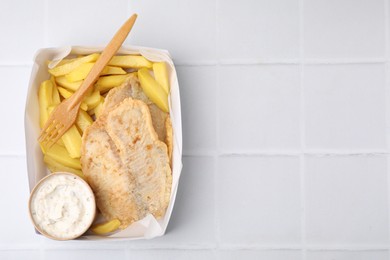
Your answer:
<point x="132" y="88"/>
<point x="126" y="164"/>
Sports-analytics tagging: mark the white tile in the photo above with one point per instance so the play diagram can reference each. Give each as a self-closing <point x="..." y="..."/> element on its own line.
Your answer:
<point x="170" y="254"/>
<point x="88" y="22"/>
<point x="21" y="26"/>
<point x="260" y="30"/>
<point x="344" y="29"/>
<point x="347" y="255"/>
<point x="185" y="28"/>
<point x="16" y="227"/>
<point x="345" y="106"/>
<point x="15" y="80"/>
<point x="346" y="200"/>
<point x="20" y="255"/>
<point x="259" y="108"/>
<point x="257" y="254"/>
<point x="258" y="200"/>
<point x="198" y="97"/>
<point x="78" y="254"/>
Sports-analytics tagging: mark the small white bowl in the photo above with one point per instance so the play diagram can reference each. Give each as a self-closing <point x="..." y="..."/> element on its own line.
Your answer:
<point x="62" y="206"/>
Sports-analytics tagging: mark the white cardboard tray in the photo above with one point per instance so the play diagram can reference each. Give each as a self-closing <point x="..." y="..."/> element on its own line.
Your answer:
<point x="147" y="227"/>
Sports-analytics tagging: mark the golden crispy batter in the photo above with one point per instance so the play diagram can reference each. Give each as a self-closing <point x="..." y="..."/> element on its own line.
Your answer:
<point x="131" y="88"/>
<point x="126" y="165"/>
<point x="107" y="177"/>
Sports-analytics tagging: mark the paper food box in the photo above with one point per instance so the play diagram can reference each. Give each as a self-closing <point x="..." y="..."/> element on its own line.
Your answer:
<point x="147" y="227"/>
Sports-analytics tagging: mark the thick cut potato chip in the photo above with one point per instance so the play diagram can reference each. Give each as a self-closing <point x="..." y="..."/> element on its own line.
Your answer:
<point x="106" y="83"/>
<point x="63" y="82"/>
<point x="130" y="61"/>
<point x="153" y="90"/>
<point x="60" y="154"/>
<point x="55" y="166"/>
<point x="56" y="95"/>
<point x="82" y="71"/>
<point x="68" y="67"/>
<point x="72" y="142"/>
<point x="83" y="120"/>
<point x="161" y="75"/>
<point x="45" y="97"/>
<point x="93" y="100"/>
<point x="106" y="227"/>
<point x="65" y="93"/>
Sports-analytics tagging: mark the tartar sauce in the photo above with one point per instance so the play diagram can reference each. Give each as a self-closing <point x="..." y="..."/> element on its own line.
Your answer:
<point x="63" y="206"/>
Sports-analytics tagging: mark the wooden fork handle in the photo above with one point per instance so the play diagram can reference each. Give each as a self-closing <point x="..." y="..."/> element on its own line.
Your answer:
<point x="102" y="61"/>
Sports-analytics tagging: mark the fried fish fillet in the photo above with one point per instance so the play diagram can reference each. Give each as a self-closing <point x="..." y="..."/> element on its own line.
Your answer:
<point x="131" y="88"/>
<point x="126" y="164"/>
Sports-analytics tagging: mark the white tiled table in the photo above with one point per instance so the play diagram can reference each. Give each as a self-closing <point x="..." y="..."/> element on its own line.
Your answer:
<point x="285" y="105"/>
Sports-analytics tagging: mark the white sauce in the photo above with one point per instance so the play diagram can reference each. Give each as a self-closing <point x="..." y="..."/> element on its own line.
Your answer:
<point x="63" y="206"/>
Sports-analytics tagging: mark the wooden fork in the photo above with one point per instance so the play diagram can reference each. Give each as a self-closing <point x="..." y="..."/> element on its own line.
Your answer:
<point x="64" y="116"/>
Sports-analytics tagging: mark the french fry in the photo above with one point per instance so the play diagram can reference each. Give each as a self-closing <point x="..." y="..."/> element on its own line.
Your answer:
<point x="44" y="147"/>
<point x="98" y="109"/>
<point x="72" y="142"/>
<point x="106" y="83"/>
<point x="63" y="82"/>
<point x="45" y="98"/>
<point x="55" y="166"/>
<point x="82" y="71"/>
<point x="61" y="155"/>
<point x="106" y="227"/>
<point x="130" y="61"/>
<point x="68" y="67"/>
<point x="83" y="106"/>
<point x="56" y="96"/>
<point x="59" y="142"/>
<point x="153" y="90"/>
<point x="83" y="120"/>
<point x="65" y="93"/>
<point x="92" y="100"/>
<point x="161" y="75"/>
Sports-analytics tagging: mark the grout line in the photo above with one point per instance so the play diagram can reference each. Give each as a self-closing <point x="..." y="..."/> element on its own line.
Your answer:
<point x="217" y="134"/>
<point x="302" y="131"/>
<point x="349" y="248"/>
<point x="249" y="62"/>
<point x="343" y="61"/>
<point x="111" y="246"/>
<point x="42" y="251"/>
<point x="280" y="153"/>
<point x="357" y="152"/>
<point x="203" y="153"/>
<point x="46" y="23"/>
<point x="259" y="154"/>
<point x="244" y="62"/>
<point x="128" y="7"/>
<point x="298" y="153"/>
<point x="16" y="64"/>
<point x="15" y="155"/>
<point x="387" y="102"/>
<point x="180" y="63"/>
<point x="308" y="248"/>
<point x="301" y="60"/>
<point x="302" y="169"/>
